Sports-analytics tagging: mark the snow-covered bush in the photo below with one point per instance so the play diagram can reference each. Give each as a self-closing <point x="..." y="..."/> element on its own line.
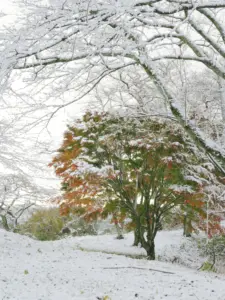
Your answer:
<point x="44" y="224"/>
<point x="48" y="224"/>
<point x="80" y="227"/>
<point x="214" y="249"/>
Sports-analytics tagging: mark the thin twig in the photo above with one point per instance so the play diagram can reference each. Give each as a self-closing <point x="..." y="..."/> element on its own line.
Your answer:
<point x="138" y="268"/>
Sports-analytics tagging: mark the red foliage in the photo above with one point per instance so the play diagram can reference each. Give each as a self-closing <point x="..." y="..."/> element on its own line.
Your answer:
<point x="214" y="225"/>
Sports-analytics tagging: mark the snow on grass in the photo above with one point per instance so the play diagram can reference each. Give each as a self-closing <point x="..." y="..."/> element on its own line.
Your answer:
<point x="34" y="270"/>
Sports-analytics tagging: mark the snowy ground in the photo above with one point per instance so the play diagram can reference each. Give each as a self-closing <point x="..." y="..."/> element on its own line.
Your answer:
<point x="171" y="246"/>
<point x="57" y="270"/>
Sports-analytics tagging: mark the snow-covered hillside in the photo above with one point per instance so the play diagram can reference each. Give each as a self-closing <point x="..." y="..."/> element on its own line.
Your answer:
<point x="34" y="270"/>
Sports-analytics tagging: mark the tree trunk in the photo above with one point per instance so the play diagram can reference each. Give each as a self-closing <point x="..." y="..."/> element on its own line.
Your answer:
<point x="119" y="228"/>
<point x="222" y="97"/>
<point x="222" y="103"/>
<point x="148" y="245"/>
<point x="137" y="233"/>
<point x="150" y="249"/>
<point x="119" y="232"/>
<point x="187" y="226"/>
<point x="137" y="238"/>
<point x="215" y="156"/>
<point x="5" y="223"/>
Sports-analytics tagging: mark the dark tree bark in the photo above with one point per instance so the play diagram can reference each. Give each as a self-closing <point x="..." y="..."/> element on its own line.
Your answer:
<point x="151" y="250"/>
<point x="5" y="223"/>
<point x="187" y="226"/>
<point x="137" y="232"/>
<point x="149" y="247"/>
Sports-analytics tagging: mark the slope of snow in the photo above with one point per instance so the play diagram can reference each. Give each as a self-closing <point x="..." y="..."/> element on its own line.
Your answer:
<point x="34" y="270"/>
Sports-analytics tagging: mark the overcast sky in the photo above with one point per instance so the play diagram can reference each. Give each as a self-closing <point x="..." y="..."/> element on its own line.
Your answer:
<point x="8" y="7"/>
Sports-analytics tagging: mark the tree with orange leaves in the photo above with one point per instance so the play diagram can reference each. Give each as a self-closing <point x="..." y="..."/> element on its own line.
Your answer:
<point x="129" y="168"/>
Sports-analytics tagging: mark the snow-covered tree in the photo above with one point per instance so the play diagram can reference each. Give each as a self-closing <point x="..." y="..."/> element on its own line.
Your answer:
<point x="67" y="48"/>
<point x="129" y="167"/>
<point x="22" y="166"/>
<point x="17" y="195"/>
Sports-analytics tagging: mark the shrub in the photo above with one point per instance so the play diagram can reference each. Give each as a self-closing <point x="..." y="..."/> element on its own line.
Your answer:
<point x="80" y="227"/>
<point x="49" y="225"/>
<point x="207" y="266"/>
<point x="214" y="249"/>
<point x="44" y="224"/>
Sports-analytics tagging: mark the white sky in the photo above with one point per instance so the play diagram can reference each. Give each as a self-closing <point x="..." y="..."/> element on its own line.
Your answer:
<point x="7" y="7"/>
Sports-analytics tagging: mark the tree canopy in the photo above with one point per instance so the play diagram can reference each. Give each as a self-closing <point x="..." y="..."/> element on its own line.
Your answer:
<point x="68" y="47"/>
<point x="132" y="167"/>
